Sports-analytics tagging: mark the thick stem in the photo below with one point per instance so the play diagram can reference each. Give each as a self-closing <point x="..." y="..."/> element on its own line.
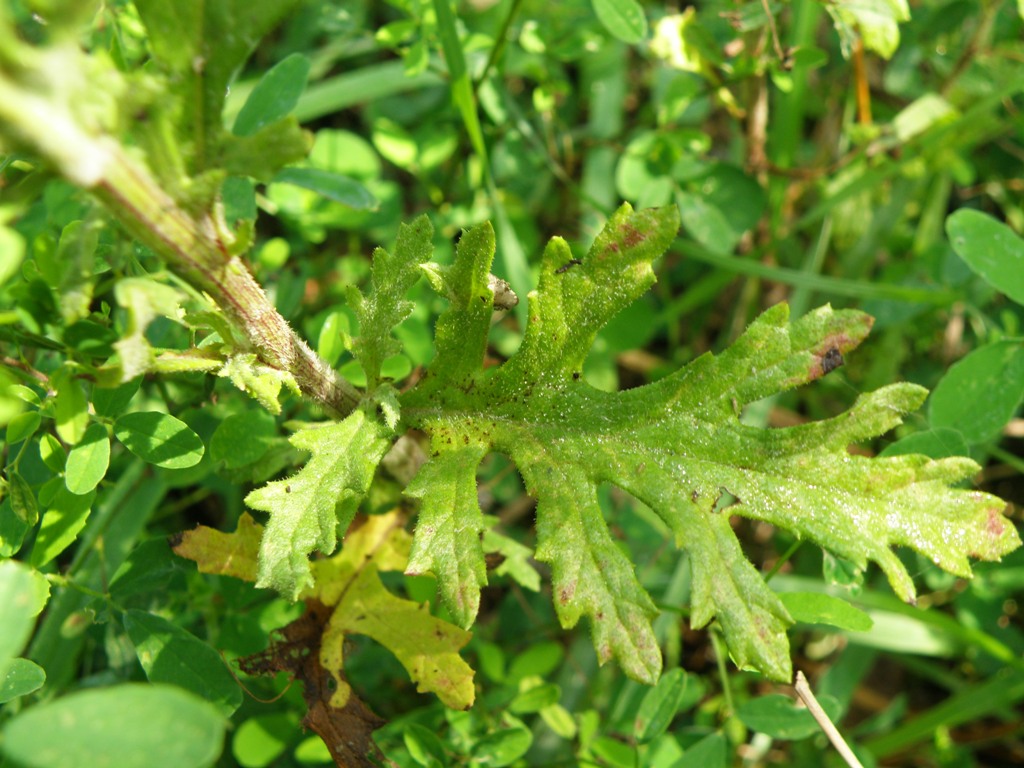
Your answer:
<point x="192" y="247"/>
<point x="190" y="244"/>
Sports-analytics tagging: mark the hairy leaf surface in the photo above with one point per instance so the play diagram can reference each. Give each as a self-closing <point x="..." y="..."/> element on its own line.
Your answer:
<point x="386" y="305"/>
<point x="307" y="509"/>
<point x="679" y="445"/>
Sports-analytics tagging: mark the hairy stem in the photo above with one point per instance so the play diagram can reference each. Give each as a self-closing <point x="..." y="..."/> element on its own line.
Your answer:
<point x="189" y="242"/>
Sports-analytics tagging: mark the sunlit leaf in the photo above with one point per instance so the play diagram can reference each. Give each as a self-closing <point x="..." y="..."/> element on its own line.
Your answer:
<point x="307" y="509"/>
<point x="990" y="248"/>
<point x="623" y="18"/>
<point x="678" y="445"/>
<point x="160" y="439"/>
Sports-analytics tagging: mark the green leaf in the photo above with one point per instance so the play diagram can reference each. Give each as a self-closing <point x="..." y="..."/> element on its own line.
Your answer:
<point x="274" y="96"/>
<point x="159" y="438"/>
<point x="936" y="443"/>
<point x="538" y="660"/>
<point x="23" y="499"/>
<point x="307" y="509"/>
<point x="920" y="115"/>
<point x="677" y="445"/>
<point x="424" y="746"/>
<point x="660" y="705"/>
<point x="876" y="21"/>
<point x="12" y="252"/>
<point x="71" y="409"/>
<point x="22" y="677"/>
<point x="260" y="741"/>
<point x="502" y="747"/>
<point x="332" y="186"/>
<point x="516" y="564"/>
<point x="780" y="717"/>
<point x="144" y="300"/>
<point x="112" y="402"/>
<point x="23" y="593"/>
<point x="262" y="382"/>
<point x="990" y="248"/>
<point x="65" y="516"/>
<point x="709" y="752"/>
<point x="980" y="393"/>
<point x="12" y="530"/>
<point x="817" y="608"/>
<point x="88" y="461"/>
<point x="130" y="726"/>
<point x="22" y="427"/>
<point x="76" y="257"/>
<point x="623" y="18"/>
<point x="267" y="151"/>
<point x="12" y="397"/>
<point x="146" y="571"/>
<point x="202" y="45"/>
<point x="386" y="305"/>
<point x="170" y="654"/>
<point x="448" y="529"/>
<point x="243" y="438"/>
<point x="535" y="699"/>
<point x="426" y="646"/>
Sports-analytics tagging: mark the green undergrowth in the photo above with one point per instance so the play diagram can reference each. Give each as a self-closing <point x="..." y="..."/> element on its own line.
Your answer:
<point x="351" y="416"/>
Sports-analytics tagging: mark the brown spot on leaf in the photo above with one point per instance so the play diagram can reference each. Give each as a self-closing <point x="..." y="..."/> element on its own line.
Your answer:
<point x="565" y="594"/>
<point x="347" y="730"/>
<point x="831" y="360"/>
<point x="632" y="236"/>
<point x="996" y="524"/>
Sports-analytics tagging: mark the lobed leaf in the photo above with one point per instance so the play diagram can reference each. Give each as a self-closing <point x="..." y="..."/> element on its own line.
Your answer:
<point x="386" y="305"/>
<point x="679" y="445"/>
<point x="307" y="509"/>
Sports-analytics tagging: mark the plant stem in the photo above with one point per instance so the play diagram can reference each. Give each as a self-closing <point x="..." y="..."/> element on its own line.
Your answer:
<point x="189" y="242"/>
<point x="194" y="250"/>
<point x="803" y="690"/>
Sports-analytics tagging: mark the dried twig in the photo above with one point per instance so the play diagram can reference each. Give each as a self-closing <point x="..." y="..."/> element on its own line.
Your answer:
<point x="803" y="690"/>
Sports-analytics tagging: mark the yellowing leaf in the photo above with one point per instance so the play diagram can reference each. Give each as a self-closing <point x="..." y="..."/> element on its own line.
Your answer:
<point x="426" y="646"/>
<point x="226" y="554"/>
<point x="347" y="596"/>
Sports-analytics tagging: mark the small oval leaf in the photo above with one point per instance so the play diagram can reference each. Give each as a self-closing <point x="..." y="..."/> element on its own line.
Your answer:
<point x="274" y="96"/>
<point x="334" y="186"/>
<point x="170" y="654"/>
<point x="990" y="248"/>
<point x="22" y="677"/>
<point x="623" y="18"/>
<point x="980" y="393"/>
<point x="88" y="461"/>
<point x="130" y="726"/>
<point x="159" y="438"/>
